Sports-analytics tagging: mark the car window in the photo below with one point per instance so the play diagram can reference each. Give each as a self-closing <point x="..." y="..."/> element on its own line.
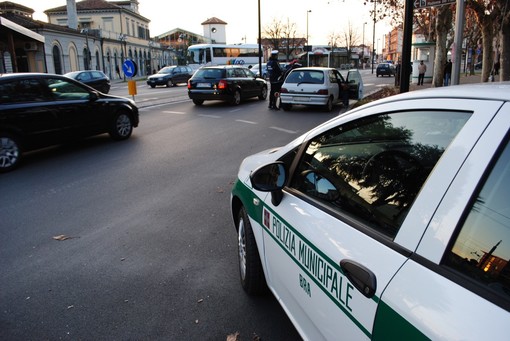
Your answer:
<point x="373" y="168"/>
<point x="97" y="75"/>
<point x="306" y="76"/>
<point x="84" y="76"/>
<point x="24" y="91"/>
<point x="63" y="90"/>
<point x="240" y="73"/>
<point x="481" y="250"/>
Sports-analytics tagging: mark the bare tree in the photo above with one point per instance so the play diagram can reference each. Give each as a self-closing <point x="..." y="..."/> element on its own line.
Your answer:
<point x="284" y="36"/>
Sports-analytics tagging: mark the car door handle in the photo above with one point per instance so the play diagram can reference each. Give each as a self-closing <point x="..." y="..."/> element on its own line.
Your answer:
<point x="360" y="276"/>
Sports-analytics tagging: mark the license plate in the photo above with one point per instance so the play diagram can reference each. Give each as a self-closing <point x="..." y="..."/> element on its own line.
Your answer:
<point x="203" y="85"/>
<point x="301" y="99"/>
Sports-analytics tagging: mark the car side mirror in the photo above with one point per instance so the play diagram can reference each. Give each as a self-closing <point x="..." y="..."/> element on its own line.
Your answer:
<point x="93" y="96"/>
<point x="270" y="178"/>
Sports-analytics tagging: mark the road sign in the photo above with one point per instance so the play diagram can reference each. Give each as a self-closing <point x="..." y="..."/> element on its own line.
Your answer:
<point x="130" y="68"/>
<point x="432" y="3"/>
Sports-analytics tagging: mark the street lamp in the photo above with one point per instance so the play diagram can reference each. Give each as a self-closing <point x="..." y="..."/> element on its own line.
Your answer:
<point x="363" y="47"/>
<point x="309" y="11"/>
<point x="373" y="36"/>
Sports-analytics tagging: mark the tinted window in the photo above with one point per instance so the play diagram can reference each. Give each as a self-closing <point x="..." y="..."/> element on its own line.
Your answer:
<point x="24" y="91"/>
<point x="62" y="90"/>
<point x="373" y="168"/>
<point x="482" y="248"/>
<point x="305" y="76"/>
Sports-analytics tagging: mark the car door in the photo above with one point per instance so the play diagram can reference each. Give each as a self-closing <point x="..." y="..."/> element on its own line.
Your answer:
<point x="459" y="280"/>
<point x="79" y="112"/>
<point x="355" y="82"/>
<point x="332" y="244"/>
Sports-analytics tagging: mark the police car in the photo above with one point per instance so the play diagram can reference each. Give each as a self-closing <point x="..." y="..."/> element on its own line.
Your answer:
<point x="389" y="222"/>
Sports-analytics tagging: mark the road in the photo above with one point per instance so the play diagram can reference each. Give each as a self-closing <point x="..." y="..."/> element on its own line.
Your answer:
<point x="106" y="240"/>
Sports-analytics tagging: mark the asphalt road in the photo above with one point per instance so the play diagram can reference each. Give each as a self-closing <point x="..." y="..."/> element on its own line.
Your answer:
<point x="133" y="240"/>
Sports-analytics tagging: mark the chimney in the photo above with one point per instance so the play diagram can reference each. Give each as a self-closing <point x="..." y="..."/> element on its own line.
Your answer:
<point x="72" y="15"/>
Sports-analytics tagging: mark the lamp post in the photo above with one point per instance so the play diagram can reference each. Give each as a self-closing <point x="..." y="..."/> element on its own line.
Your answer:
<point x="363" y="48"/>
<point x="309" y="11"/>
<point x="373" y="36"/>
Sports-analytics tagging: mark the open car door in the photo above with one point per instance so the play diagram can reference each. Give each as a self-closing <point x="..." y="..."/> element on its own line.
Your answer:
<point x="355" y="84"/>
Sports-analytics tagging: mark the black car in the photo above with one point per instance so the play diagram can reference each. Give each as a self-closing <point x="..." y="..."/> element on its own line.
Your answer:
<point x="170" y="76"/>
<point x="38" y="110"/>
<point x="229" y="83"/>
<point x="385" y="69"/>
<point x="93" y="78"/>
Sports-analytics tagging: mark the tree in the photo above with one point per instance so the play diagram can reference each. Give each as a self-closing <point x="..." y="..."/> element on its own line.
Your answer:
<point x="284" y="37"/>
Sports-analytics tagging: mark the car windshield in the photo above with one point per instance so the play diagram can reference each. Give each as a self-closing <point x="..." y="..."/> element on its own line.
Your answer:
<point x="166" y="70"/>
<point x="306" y="76"/>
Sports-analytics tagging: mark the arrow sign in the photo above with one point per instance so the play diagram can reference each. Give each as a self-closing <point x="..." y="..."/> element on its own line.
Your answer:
<point x="130" y="68"/>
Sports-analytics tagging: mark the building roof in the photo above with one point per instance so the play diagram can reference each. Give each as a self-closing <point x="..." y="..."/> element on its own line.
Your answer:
<point x="7" y="6"/>
<point x="32" y="24"/>
<point x="214" y="20"/>
<point x="86" y="5"/>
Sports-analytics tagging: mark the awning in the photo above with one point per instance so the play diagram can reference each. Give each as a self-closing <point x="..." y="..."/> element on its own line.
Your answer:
<point x="21" y="30"/>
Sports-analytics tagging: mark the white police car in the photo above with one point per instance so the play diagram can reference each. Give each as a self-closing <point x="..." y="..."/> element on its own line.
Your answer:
<point x="389" y="222"/>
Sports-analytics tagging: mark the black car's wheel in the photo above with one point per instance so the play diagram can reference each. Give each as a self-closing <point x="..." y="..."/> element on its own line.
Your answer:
<point x="286" y="106"/>
<point x="250" y="267"/>
<point x="121" y="126"/>
<point x="236" y="99"/>
<point x="263" y="94"/>
<point x="153" y="86"/>
<point x="169" y="83"/>
<point x="198" y="101"/>
<point x="10" y="152"/>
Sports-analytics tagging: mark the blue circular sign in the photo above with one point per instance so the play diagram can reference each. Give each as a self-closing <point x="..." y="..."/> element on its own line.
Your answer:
<point x="130" y="68"/>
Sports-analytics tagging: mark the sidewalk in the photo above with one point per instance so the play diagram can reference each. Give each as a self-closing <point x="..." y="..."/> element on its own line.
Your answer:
<point x="463" y="79"/>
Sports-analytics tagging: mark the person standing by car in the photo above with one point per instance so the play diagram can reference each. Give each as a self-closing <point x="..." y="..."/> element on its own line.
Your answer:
<point x="422" y="68"/>
<point x="275" y="71"/>
<point x="447" y="72"/>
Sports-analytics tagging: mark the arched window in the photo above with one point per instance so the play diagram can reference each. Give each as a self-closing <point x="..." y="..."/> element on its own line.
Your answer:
<point x="57" y="60"/>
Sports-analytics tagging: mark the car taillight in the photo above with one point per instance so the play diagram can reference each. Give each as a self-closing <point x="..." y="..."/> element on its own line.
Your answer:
<point x="189" y="84"/>
<point x="323" y="92"/>
<point x="222" y="84"/>
<point x="284" y="90"/>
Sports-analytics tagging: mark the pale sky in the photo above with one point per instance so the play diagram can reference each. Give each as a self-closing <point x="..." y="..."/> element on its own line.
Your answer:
<point x="327" y="17"/>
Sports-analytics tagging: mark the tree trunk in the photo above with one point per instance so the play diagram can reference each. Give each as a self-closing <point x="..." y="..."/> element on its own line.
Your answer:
<point x="487" y="59"/>
<point x="444" y="18"/>
<point x="504" y="60"/>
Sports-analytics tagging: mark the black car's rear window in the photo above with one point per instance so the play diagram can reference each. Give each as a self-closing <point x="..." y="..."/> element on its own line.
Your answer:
<point x="210" y="73"/>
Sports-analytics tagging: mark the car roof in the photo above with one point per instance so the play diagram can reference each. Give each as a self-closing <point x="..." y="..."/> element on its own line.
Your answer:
<point x="313" y="68"/>
<point x="478" y="91"/>
<point x="224" y="67"/>
<point x="27" y="75"/>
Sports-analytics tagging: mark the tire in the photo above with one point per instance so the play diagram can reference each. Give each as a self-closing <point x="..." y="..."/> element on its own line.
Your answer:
<point x="286" y="106"/>
<point x="252" y="276"/>
<point x="153" y="86"/>
<point x="198" y="101"/>
<point x="121" y="126"/>
<point x="169" y="83"/>
<point x="329" y="106"/>
<point x="263" y="94"/>
<point x="236" y="99"/>
<point x="10" y="152"/>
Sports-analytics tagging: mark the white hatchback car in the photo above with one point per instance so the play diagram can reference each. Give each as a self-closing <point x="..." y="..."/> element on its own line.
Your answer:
<point x="320" y="86"/>
<point x="389" y="222"/>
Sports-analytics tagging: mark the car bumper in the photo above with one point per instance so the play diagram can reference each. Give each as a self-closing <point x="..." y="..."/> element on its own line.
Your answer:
<point x="304" y="99"/>
<point x="209" y="95"/>
<point x="157" y="82"/>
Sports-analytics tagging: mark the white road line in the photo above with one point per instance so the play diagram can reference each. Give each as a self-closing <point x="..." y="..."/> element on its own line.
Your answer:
<point x="147" y="99"/>
<point x="249" y="122"/>
<point x="174" y="112"/>
<point x="210" y="116"/>
<point x="284" y="130"/>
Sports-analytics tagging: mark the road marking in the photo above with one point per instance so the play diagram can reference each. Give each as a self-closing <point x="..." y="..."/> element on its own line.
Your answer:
<point x="284" y="130"/>
<point x="147" y="99"/>
<point x="209" y="116"/>
<point x="249" y="122"/>
<point x="174" y="112"/>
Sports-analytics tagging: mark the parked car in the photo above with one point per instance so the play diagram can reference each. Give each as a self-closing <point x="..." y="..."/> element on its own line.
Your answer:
<point x="170" y="76"/>
<point x="229" y="83"/>
<point x="389" y="222"/>
<point x="385" y="69"/>
<point x="39" y="110"/>
<point x="93" y="78"/>
<point x="320" y="86"/>
<point x="256" y="71"/>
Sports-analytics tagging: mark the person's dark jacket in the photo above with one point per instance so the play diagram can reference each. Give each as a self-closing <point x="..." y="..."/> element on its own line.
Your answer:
<point x="274" y="69"/>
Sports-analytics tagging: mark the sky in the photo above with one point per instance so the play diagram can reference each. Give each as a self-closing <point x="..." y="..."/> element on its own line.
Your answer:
<point x="326" y="17"/>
